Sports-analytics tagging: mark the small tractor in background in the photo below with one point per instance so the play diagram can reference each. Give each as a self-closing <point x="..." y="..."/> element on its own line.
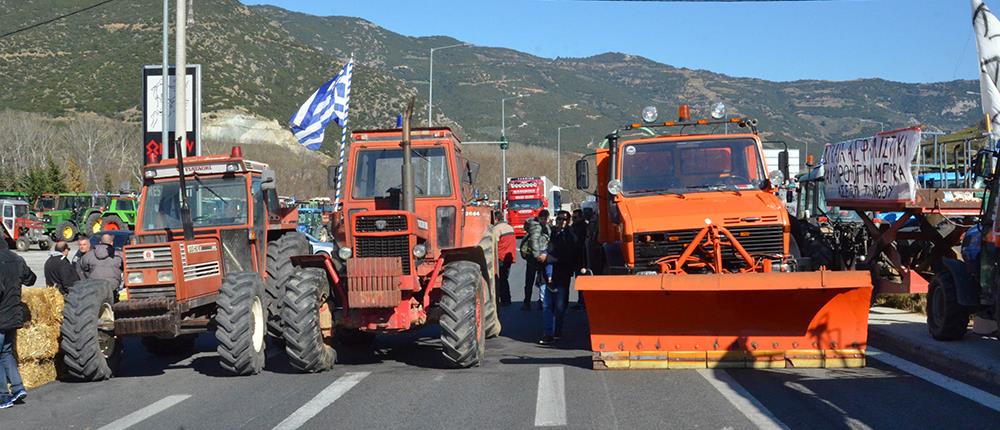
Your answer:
<point x="416" y="252"/>
<point x="69" y="215"/>
<point x="700" y="268"/>
<point x="21" y="229"/>
<point x="119" y="215"/>
<point x="311" y="223"/>
<point x="211" y="250"/>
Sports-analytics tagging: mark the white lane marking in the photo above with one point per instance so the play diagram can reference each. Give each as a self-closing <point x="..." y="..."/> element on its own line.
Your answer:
<point x="852" y="423"/>
<point x="741" y="399"/>
<point x="550" y="405"/>
<point x="144" y="413"/>
<point x="329" y="395"/>
<point x="955" y="386"/>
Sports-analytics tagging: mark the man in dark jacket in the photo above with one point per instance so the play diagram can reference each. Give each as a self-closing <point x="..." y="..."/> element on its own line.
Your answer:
<point x="563" y="259"/>
<point x="101" y="262"/>
<point x="13" y="274"/>
<point x="59" y="272"/>
<point x="83" y="247"/>
<point x="534" y="247"/>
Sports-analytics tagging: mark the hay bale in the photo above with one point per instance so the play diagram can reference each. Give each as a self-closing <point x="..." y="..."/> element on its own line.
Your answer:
<point x="36" y="373"/>
<point x="45" y="305"/>
<point x="37" y="342"/>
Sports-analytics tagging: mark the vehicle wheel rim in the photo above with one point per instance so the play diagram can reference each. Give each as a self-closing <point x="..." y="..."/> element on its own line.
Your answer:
<point x="106" y="329"/>
<point x="257" y="313"/>
<point x="67" y="233"/>
<point x="113" y="226"/>
<point x="96" y="227"/>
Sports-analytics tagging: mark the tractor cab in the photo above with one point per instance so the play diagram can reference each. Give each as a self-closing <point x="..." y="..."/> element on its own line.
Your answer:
<point x="21" y="229"/>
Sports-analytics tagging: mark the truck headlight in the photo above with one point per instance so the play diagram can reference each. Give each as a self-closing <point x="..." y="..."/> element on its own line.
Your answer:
<point x="419" y="251"/>
<point x="135" y="278"/>
<point x="165" y="276"/>
<point x="344" y="253"/>
<point x="615" y="186"/>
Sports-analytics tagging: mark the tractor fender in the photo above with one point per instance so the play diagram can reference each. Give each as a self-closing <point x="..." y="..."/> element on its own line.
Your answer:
<point x="966" y="288"/>
<point x="614" y="261"/>
<point x="475" y="254"/>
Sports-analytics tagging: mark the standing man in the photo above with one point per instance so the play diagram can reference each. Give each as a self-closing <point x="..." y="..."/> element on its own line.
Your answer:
<point x="562" y="262"/>
<point x="102" y="263"/>
<point x="534" y="248"/>
<point x="59" y="272"/>
<point x="13" y="274"/>
<point x="506" y="245"/>
<point x="83" y="247"/>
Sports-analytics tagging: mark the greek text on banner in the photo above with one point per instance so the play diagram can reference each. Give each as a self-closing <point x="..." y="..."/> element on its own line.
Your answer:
<point x="872" y="169"/>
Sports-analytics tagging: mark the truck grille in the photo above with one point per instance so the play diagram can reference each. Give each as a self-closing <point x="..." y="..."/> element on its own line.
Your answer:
<point x="391" y="246"/>
<point x="759" y="240"/>
<point x="134" y="257"/>
<point x="368" y="224"/>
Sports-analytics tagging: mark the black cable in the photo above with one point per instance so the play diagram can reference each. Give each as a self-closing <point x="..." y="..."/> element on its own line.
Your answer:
<point x="39" y="24"/>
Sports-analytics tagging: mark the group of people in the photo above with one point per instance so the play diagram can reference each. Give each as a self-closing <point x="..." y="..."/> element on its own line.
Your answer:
<point x="101" y="262"/>
<point x="553" y="256"/>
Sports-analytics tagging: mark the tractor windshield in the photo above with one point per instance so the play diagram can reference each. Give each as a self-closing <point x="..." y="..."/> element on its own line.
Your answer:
<point x="691" y="166"/>
<point x="45" y="203"/>
<point x="380" y="170"/>
<point x="214" y="202"/>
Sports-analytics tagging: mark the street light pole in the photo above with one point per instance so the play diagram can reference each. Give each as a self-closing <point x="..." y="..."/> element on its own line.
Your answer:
<point x="164" y="94"/>
<point x="880" y="123"/>
<point x="503" y="149"/>
<point x="430" y="82"/>
<point x="559" y="152"/>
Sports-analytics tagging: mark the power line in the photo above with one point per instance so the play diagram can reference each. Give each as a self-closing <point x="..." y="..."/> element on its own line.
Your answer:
<point x="64" y="16"/>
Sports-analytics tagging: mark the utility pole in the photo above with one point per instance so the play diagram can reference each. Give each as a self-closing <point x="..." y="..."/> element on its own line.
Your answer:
<point x="165" y="94"/>
<point x="180" y="102"/>
<point x="559" y="152"/>
<point x="430" y="82"/>
<point x="503" y="148"/>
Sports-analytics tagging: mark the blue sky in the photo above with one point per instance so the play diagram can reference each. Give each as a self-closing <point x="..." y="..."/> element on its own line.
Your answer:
<point x="900" y="40"/>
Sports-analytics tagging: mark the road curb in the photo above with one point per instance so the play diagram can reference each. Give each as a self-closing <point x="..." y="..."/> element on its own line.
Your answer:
<point x="946" y="361"/>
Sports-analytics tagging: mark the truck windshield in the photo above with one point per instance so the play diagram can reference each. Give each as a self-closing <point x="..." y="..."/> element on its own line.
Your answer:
<point x="380" y="170"/>
<point x="691" y="166"/>
<point x="524" y="204"/>
<point x="213" y="202"/>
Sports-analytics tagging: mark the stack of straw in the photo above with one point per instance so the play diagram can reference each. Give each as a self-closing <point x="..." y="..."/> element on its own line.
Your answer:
<point x="38" y="341"/>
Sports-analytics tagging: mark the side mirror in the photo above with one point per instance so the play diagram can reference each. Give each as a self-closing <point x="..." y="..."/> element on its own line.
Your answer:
<point x="783" y="163"/>
<point x="331" y="176"/>
<point x="982" y="164"/>
<point x="267" y="181"/>
<point x="582" y="175"/>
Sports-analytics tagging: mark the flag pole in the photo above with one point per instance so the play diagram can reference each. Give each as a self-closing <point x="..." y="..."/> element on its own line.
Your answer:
<point x="343" y="140"/>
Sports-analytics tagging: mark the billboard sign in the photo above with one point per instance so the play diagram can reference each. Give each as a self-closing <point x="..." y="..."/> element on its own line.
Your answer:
<point x="871" y="169"/>
<point x="152" y="110"/>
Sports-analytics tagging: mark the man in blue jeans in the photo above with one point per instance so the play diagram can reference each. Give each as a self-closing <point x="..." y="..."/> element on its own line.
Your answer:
<point x="13" y="274"/>
<point x="560" y="264"/>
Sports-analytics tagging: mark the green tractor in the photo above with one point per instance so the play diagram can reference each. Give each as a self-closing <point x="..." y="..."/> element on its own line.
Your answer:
<point x="120" y="215"/>
<point x="68" y="215"/>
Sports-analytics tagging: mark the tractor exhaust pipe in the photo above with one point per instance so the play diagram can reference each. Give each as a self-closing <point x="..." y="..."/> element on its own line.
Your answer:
<point x="409" y="192"/>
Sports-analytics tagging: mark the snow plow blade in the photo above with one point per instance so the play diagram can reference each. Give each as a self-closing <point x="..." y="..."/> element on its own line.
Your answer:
<point x="753" y="320"/>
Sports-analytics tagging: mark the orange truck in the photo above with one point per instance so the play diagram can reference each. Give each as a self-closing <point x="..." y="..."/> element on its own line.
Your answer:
<point x="699" y="267"/>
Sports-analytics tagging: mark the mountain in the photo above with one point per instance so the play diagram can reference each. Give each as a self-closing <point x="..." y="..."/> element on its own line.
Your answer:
<point x="265" y="60"/>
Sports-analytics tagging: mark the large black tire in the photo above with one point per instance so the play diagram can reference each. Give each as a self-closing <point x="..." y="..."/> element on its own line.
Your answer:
<point x="23" y="244"/>
<point x="946" y="318"/>
<point x="182" y="345"/>
<point x="306" y="290"/>
<point x="66" y="231"/>
<point x="112" y="222"/>
<point x="279" y="269"/>
<point x="90" y="349"/>
<point x="463" y="335"/>
<point x="240" y="323"/>
<point x="93" y="224"/>
<point x="45" y="243"/>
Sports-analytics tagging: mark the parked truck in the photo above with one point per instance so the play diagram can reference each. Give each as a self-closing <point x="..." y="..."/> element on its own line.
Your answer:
<point x="526" y="197"/>
<point x="211" y="247"/>
<point x="700" y="269"/>
<point x="416" y="252"/>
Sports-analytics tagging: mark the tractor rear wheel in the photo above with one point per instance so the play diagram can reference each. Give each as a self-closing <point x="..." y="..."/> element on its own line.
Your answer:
<point x="181" y="345"/>
<point x="93" y="225"/>
<point x="66" y="231"/>
<point x="22" y="244"/>
<point x="45" y="243"/>
<point x="946" y="318"/>
<point x="240" y="320"/>
<point x="306" y="291"/>
<point x="279" y="268"/>
<point x="113" y="223"/>
<point x="463" y="335"/>
<point x="91" y="351"/>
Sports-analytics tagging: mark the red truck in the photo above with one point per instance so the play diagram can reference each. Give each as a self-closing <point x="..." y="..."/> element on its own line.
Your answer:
<point x="526" y="197"/>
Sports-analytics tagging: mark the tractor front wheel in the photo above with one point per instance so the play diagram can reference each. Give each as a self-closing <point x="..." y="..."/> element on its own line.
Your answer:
<point x="22" y="245"/>
<point x="306" y="292"/>
<point x="279" y="269"/>
<point x="66" y="231"/>
<point x="946" y="318"/>
<point x="463" y="335"/>
<point x="93" y="224"/>
<point x="91" y="351"/>
<point x="240" y="321"/>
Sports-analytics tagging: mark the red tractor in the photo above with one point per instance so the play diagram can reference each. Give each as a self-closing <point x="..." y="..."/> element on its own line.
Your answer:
<point x="210" y="251"/>
<point x="415" y="251"/>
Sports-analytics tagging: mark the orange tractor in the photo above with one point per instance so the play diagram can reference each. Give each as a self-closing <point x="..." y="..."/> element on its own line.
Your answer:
<point x="414" y="251"/>
<point x="211" y="248"/>
<point x="699" y="268"/>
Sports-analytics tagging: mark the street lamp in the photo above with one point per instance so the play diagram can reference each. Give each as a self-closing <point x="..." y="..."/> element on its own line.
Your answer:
<point x="880" y="123"/>
<point x="559" y="152"/>
<point x="503" y="147"/>
<point x="430" y="81"/>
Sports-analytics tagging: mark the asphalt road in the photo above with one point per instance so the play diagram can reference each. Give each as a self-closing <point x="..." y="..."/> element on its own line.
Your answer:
<point x="400" y="384"/>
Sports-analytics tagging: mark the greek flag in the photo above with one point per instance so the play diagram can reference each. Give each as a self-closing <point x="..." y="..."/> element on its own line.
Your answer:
<point x="330" y="101"/>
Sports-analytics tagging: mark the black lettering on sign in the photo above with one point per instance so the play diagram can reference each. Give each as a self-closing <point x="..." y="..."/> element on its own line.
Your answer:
<point x="876" y="168"/>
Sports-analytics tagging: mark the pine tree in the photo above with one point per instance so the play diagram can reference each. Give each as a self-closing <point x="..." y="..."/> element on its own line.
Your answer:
<point x="108" y="186"/>
<point x="55" y="179"/>
<point x="35" y="182"/>
<point x="74" y="177"/>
